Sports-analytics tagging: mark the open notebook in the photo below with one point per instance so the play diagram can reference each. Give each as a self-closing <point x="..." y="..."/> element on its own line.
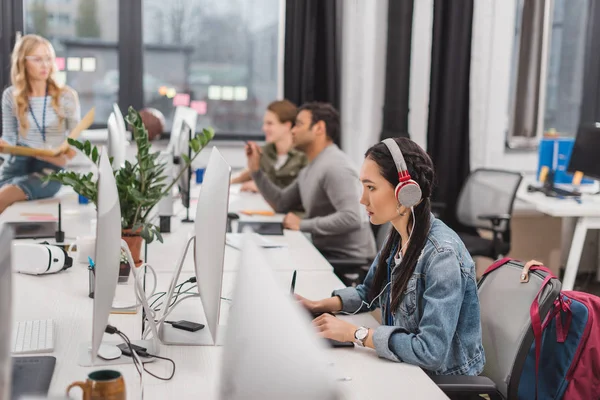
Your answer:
<point x="85" y="123"/>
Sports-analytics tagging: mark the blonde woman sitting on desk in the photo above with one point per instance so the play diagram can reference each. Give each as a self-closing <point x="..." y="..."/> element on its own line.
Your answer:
<point x="37" y="113"/>
<point x="280" y="161"/>
<point x="423" y="278"/>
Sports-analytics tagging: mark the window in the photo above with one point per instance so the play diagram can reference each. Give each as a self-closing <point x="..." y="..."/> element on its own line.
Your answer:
<point x="564" y="82"/>
<point x="84" y="34"/>
<point x="547" y="69"/>
<point x="219" y="58"/>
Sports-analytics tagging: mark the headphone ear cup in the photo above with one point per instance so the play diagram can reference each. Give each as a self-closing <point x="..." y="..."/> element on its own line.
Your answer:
<point x="408" y="193"/>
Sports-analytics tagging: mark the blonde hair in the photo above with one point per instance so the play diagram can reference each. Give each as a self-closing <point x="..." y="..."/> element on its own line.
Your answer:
<point x="20" y="81"/>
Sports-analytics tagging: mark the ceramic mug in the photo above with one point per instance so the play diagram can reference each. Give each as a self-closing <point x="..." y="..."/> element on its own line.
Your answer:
<point x="85" y="247"/>
<point x="102" y="385"/>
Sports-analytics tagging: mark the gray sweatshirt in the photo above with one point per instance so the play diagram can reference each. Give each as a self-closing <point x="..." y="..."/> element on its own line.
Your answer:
<point x="329" y="191"/>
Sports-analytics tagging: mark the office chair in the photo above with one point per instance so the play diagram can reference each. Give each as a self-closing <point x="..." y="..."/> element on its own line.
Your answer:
<point x="486" y="202"/>
<point x="353" y="272"/>
<point x="506" y="330"/>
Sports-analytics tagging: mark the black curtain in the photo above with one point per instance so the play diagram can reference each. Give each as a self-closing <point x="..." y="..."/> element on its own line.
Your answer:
<point x="11" y="21"/>
<point x="590" y="104"/>
<point x="448" y="123"/>
<point x="312" y="51"/>
<point x="397" y="69"/>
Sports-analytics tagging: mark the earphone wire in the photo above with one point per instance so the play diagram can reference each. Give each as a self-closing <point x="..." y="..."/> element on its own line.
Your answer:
<point x="364" y="303"/>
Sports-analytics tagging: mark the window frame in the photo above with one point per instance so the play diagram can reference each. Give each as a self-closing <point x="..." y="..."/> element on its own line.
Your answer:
<point x="535" y="104"/>
<point x="130" y="53"/>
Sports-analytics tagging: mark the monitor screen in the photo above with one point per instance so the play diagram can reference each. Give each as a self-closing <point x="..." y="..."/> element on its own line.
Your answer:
<point x="584" y="156"/>
<point x="184" y="179"/>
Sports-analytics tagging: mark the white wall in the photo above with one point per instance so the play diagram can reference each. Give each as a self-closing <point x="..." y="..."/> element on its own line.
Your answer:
<point x="363" y="74"/>
<point x="491" y="52"/>
<point x="420" y="70"/>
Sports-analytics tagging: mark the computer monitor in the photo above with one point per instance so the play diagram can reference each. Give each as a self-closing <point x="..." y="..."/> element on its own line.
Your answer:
<point x="120" y="119"/>
<point x="267" y="329"/>
<point x="5" y="311"/>
<point x="182" y="113"/>
<point x="106" y="271"/>
<point x="584" y="156"/>
<point x="108" y="250"/>
<point x="116" y="142"/>
<point x="184" y="179"/>
<point x="209" y="253"/>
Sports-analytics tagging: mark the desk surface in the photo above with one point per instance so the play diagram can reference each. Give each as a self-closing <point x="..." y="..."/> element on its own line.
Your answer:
<point x="555" y="207"/>
<point x="63" y="297"/>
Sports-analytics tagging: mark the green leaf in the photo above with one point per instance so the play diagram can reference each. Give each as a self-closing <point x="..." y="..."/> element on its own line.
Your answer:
<point x="95" y="155"/>
<point x="186" y="159"/>
<point x="159" y="236"/>
<point x="87" y="148"/>
<point x="75" y="143"/>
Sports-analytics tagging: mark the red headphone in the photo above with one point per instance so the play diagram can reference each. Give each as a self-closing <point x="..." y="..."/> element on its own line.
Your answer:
<point x="408" y="192"/>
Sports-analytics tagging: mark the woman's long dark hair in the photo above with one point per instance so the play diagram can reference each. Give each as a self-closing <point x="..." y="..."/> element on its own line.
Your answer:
<point x="420" y="168"/>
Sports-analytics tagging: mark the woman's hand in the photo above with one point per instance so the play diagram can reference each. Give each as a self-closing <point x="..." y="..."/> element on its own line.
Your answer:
<point x="249" y="186"/>
<point x="330" y="304"/>
<point x="2" y="144"/>
<point x="311" y="305"/>
<point x="334" y="328"/>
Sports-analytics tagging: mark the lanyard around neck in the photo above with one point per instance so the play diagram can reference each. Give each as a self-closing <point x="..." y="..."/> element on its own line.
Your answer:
<point x="42" y="129"/>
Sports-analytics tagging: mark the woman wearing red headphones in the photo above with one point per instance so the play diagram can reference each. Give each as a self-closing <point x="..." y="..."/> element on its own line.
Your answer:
<point x="423" y="278"/>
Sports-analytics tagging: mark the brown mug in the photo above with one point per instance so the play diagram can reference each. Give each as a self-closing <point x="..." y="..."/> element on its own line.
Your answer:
<point x="102" y="385"/>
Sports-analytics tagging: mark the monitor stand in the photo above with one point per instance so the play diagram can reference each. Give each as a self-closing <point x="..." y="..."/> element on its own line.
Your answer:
<point x="189" y="310"/>
<point x="152" y="346"/>
<point x="84" y="351"/>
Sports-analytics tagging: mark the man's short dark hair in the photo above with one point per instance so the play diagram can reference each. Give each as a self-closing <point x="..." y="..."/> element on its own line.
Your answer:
<point x="328" y="114"/>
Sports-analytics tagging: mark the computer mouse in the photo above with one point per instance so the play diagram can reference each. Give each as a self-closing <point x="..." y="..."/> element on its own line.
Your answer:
<point x="109" y="352"/>
<point x="232" y="215"/>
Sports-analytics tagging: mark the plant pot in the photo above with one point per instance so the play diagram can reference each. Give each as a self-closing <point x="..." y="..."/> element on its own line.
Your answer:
<point x="124" y="271"/>
<point x="134" y="241"/>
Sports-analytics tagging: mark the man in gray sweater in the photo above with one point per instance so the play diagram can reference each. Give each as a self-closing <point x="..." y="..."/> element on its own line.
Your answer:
<point x="327" y="188"/>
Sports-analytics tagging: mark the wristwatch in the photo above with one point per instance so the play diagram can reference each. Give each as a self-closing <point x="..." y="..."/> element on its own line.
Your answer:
<point x="361" y="335"/>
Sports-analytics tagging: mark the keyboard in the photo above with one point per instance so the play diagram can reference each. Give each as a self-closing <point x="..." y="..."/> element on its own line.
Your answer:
<point x="31" y="376"/>
<point x="31" y="337"/>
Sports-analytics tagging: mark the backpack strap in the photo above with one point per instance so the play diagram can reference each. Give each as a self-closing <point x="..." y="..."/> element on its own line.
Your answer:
<point x="536" y="324"/>
<point x="497" y="265"/>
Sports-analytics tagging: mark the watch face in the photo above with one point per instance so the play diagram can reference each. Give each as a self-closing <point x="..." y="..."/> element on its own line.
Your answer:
<point x="361" y="333"/>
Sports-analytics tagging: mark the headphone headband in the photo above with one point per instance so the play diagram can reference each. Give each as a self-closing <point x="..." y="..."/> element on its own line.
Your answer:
<point x="408" y="191"/>
<point x="396" y="155"/>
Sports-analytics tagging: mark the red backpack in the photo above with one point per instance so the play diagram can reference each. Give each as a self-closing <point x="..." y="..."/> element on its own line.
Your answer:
<point x="564" y="359"/>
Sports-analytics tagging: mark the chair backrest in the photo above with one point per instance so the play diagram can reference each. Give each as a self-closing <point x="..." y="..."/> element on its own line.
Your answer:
<point x="487" y="191"/>
<point x="506" y="323"/>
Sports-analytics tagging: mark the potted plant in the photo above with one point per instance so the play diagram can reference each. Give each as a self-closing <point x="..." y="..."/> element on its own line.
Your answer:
<point x="124" y="267"/>
<point x="141" y="185"/>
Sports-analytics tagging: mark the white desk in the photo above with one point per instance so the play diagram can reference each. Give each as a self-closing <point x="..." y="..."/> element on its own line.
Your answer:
<point x="198" y="367"/>
<point x="63" y="297"/>
<point x="586" y="212"/>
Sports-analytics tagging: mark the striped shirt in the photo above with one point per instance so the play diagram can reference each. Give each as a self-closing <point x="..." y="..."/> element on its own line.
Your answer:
<point x="55" y="132"/>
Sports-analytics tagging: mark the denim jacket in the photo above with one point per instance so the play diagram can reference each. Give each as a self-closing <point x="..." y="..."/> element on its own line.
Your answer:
<point x="437" y="324"/>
